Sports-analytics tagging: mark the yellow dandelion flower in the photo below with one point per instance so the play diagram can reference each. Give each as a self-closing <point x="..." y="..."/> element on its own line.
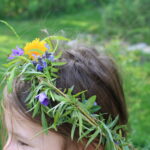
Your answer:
<point x="35" y="48"/>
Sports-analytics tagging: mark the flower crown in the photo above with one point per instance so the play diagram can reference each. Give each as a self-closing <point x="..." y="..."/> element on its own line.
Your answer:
<point x="38" y="61"/>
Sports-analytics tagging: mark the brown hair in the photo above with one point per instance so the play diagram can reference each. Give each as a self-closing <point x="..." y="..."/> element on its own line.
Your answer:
<point x="86" y="69"/>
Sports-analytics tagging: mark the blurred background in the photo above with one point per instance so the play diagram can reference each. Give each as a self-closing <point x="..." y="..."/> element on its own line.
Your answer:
<point x="121" y="28"/>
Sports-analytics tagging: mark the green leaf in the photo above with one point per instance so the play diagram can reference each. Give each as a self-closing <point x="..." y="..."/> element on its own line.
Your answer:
<point x="59" y="98"/>
<point x="51" y="95"/>
<point x="73" y="129"/>
<point x="120" y="127"/>
<point x="80" y="123"/>
<point x="49" y="41"/>
<point x="55" y="49"/>
<point x="24" y="68"/>
<point x="28" y="98"/>
<point x="113" y="123"/>
<point x="56" y="118"/>
<point x="83" y="96"/>
<point x="34" y="72"/>
<point x="95" y="109"/>
<point x="79" y="93"/>
<point x="126" y="147"/>
<point x="44" y="121"/>
<point x="54" y="69"/>
<point x="23" y="58"/>
<point x="90" y="102"/>
<point x="93" y="136"/>
<point x="70" y="90"/>
<point x="10" y="80"/>
<point x="10" y="27"/>
<point x="58" y="38"/>
<point x="54" y="75"/>
<point x="108" y="136"/>
<point x="109" y="144"/>
<point x="65" y="114"/>
<point x="36" y="109"/>
<point x="58" y="63"/>
<point x="11" y="63"/>
<point x="58" y="55"/>
<point x="85" y="134"/>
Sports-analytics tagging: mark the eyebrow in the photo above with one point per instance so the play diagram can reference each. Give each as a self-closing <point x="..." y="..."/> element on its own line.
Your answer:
<point x="18" y="135"/>
<point x="22" y="137"/>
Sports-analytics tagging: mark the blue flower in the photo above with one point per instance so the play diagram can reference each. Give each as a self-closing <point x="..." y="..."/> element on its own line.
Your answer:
<point x="39" y="67"/>
<point x="44" y="64"/>
<point x="95" y="104"/>
<point x="40" y="64"/>
<point x="34" y="63"/>
<point x="49" y="56"/>
<point x="117" y="142"/>
<point x="85" y="101"/>
<point x="16" y="52"/>
<point x="43" y="99"/>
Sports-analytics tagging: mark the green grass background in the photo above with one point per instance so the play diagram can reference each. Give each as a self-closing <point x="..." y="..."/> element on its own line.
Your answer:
<point x="109" y="32"/>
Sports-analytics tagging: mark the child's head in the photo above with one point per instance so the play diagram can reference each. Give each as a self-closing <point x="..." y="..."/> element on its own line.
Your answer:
<point x="86" y="69"/>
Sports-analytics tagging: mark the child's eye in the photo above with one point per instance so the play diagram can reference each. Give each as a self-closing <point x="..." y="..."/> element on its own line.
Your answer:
<point x="22" y="143"/>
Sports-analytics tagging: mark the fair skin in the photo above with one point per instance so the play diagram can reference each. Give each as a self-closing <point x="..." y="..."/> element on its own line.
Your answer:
<point x="21" y="135"/>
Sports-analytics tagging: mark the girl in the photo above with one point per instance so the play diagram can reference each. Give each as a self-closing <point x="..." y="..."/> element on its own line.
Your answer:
<point x="84" y="69"/>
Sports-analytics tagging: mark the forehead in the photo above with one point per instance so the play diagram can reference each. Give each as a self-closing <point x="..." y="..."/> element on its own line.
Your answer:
<point x="19" y="124"/>
<point x="16" y="123"/>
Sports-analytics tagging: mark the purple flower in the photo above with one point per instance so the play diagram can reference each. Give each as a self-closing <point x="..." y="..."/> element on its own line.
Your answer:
<point x="16" y="52"/>
<point x="43" y="99"/>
